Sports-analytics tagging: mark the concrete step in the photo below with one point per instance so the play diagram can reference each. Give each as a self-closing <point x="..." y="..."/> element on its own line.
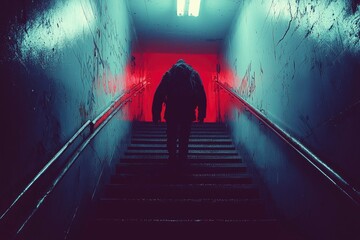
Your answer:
<point x="211" y="196"/>
<point x="173" y="177"/>
<point x="192" y="158"/>
<point x="209" y="141"/>
<point x="193" y="125"/>
<point x="192" y="136"/>
<point x="158" y="168"/>
<point x="192" y="132"/>
<point x="191" y="146"/>
<point x="170" y="228"/>
<point x="183" y="208"/>
<point x="194" y="191"/>
<point x="212" y="152"/>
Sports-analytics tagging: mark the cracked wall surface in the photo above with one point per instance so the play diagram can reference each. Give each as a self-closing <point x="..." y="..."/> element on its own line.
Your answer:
<point x="298" y="62"/>
<point x="62" y="63"/>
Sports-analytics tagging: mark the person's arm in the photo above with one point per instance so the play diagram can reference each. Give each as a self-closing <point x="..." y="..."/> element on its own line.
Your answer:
<point x="159" y="98"/>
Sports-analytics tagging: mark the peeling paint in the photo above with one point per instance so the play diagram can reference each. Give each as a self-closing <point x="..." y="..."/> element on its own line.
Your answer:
<point x="46" y="33"/>
<point x="307" y="83"/>
<point x="65" y="62"/>
<point x="321" y="16"/>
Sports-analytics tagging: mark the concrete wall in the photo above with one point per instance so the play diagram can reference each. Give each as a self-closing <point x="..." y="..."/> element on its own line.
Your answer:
<point x="62" y="63"/>
<point x="298" y="62"/>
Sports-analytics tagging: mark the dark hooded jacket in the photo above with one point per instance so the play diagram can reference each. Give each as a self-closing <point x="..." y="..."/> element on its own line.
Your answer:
<point x="182" y="91"/>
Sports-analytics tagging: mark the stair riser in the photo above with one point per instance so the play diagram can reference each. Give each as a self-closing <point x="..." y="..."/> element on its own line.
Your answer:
<point x="192" y="136"/>
<point x="173" y="192"/>
<point x="191" y="152"/>
<point x="182" y="210"/>
<point x="192" y="133"/>
<point x="193" y="127"/>
<point x="249" y="230"/>
<point x="211" y="195"/>
<point x="166" y="179"/>
<point x="208" y="141"/>
<point x="140" y="147"/>
<point x="195" y="170"/>
<point x="191" y="158"/>
<point x="166" y="161"/>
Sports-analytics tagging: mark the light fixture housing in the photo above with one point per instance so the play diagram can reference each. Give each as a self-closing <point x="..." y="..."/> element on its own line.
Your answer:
<point x="192" y="7"/>
<point x="180" y="7"/>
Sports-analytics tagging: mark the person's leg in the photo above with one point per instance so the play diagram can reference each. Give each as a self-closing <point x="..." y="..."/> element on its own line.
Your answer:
<point x="185" y="129"/>
<point x="171" y="139"/>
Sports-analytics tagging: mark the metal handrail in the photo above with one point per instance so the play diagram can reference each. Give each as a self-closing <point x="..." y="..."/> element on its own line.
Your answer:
<point x="47" y="166"/>
<point x="347" y="189"/>
<point x="117" y="102"/>
<point x="95" y="126"/>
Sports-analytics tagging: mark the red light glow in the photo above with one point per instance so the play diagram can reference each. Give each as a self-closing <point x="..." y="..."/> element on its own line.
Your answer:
<point x="151" y="67"/>
<point x="158" y="63"/>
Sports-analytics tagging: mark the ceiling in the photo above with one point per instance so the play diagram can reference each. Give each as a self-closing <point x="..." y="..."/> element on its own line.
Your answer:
<point x="159" y="29"/>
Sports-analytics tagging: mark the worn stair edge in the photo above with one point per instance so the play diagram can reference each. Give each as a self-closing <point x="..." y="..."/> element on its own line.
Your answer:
<point x="182" y="208"/>
<point x="190" y="152"/>
<point x="190" y="146"/>
<point x="192" y="167"/>
<point x="248" y="229"/>
<point x="171" y="177"/>
<point x="202" y="132"/>
<point x="181" y="190"/>
<point x="192" y="135"/>
<point x="190" y="157"/>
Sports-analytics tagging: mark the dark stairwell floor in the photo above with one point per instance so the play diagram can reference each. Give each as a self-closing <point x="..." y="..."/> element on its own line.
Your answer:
<point x="214" y="196"/>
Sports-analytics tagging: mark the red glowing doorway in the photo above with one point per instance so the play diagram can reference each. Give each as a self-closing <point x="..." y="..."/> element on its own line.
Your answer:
<point x="156" y="64"/>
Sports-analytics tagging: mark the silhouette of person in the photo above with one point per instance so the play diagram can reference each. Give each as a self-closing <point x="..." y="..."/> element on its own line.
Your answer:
<point x="182" y="91"/>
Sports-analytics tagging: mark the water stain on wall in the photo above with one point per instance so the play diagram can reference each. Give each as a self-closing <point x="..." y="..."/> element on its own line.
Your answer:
<point x="247" y="85"/>
<point x="83" y="112"/>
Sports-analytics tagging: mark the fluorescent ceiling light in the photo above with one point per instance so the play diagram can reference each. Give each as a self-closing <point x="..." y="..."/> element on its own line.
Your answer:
<point x="194" y="8"/>
<point x="180" y="7"/>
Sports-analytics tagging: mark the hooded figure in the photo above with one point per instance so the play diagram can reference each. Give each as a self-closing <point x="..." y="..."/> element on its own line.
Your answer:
<point x="182" y="91"/>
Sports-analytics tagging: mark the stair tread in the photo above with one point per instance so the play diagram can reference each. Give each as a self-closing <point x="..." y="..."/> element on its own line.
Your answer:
<point x="180" y="190"/>
<point x="191" y="178"/>
<point x="191" y="228"/>
<point x="201" y="133"/>
<point x="183" y="200"/>
<point x="179" y="186"/>
<point x="193" y="125"/>
<point x="191" y="140"/>
<point x="190" y="157"/>
<point x="191" y="151"/>
<point x="191" y="146"/>
<point x="192" y="167"/>
<point x="163" y="164"/>
<point x="193" y="220"/>
<point x="195" y="175"/>
<point x="192" y="131"/>
<point x="192" y="136"/>
<point x="212" y="193"/>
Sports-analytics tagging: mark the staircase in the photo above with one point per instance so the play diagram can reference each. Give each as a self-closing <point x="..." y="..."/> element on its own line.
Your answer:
<point x="212" y="197"/>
